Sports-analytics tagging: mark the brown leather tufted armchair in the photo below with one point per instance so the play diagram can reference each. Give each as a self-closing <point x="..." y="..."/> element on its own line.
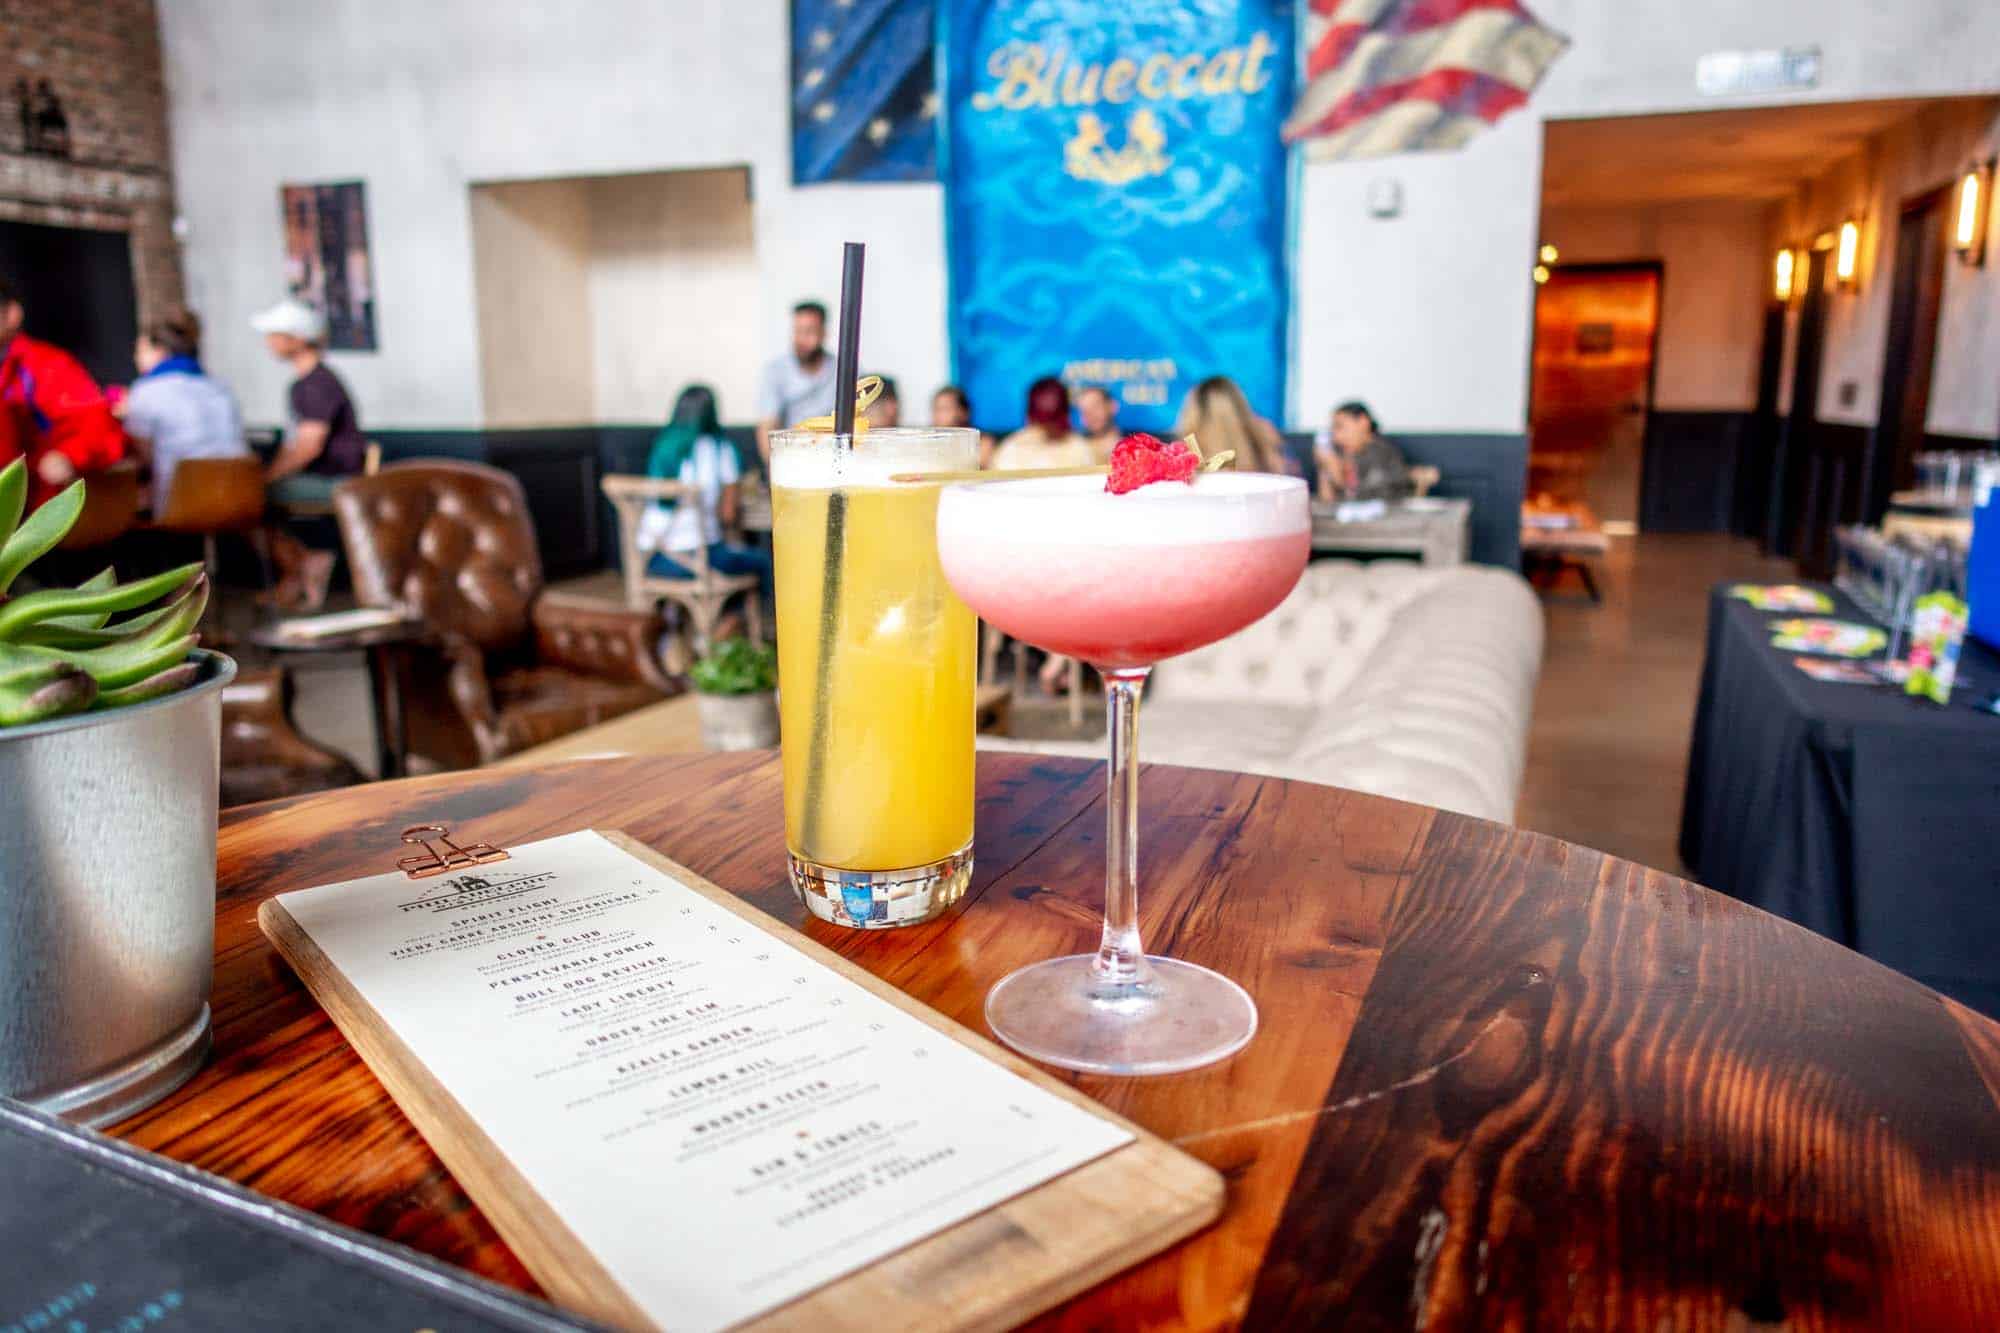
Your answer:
<point x="453" y="543"/>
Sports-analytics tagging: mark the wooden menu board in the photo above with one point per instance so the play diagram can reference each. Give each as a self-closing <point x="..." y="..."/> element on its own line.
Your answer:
<point x="992" y="1269"/>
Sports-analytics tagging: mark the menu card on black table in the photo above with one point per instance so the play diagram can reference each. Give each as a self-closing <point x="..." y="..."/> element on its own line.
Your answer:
<point x="722" y="1121"/>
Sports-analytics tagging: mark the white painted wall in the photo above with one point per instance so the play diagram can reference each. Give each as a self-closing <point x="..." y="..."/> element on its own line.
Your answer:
<point x="423" y="102"/>
<point x="1427" y="314"/>
<point x="1715" y="257"/>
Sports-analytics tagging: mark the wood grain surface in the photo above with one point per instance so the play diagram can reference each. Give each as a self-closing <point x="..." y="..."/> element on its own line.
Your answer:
<point x="1500" y="1081"/>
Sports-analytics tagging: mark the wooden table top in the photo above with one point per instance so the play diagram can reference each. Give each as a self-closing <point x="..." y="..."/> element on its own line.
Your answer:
<point x="1500" y="1080"/>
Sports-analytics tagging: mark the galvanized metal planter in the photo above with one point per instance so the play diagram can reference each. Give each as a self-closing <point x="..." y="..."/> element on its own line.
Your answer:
<point x="107" y="901"/>
<point x="738" y="721"/>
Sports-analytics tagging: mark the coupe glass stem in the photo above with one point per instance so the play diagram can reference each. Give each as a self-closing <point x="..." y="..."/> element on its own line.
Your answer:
<point x="1121" y="959"/>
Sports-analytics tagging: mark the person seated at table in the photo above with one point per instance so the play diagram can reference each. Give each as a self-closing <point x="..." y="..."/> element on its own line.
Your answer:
<point x="1219" y="417"/>
<point x="52" y="412"/>
<point x="324" y="448"/>
<point x="1361" y="464"/>
<point x="1097" y="412"/>
<point x="1047" y="440"/>
<point x="693" y="450"/>
<point x="175" y="409"/>
<point x="951" y="407"/>
<point x="887" y="409"/>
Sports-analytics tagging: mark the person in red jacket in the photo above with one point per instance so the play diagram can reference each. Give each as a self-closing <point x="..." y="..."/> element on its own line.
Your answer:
<point x="51" y="410"/>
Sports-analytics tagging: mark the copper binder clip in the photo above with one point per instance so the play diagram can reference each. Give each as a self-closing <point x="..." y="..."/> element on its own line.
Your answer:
<point x="454" y="857"/>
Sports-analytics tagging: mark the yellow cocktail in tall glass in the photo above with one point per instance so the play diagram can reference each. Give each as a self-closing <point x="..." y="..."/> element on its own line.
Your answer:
<point x="876" y="664"/>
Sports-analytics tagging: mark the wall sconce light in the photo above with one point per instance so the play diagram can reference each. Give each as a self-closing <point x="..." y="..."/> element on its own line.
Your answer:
<point x="1541" y="274"/>
<point x="1847" y="253"/>
<point x="1781" y="286"/>
<point x="1549" y="253"/>
<point x="1973" y="206"/>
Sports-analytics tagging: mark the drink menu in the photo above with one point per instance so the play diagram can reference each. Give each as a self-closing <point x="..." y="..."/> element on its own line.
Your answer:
<point x="724" y="1122"/>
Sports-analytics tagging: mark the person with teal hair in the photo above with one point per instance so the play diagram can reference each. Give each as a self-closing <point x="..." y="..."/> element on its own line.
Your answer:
<point x="693" y="450"/>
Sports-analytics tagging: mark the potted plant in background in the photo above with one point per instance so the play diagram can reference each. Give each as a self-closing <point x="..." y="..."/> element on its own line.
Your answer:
<point x="736" y="689"/>
<point x="109" y="751"/>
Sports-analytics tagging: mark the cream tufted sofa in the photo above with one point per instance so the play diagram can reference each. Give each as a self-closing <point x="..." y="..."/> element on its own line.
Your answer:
<point x="1385" y="677"/>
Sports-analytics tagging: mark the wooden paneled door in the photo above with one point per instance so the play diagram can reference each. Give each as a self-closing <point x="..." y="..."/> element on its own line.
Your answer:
<point x="1596" y="326"/>
<point x="1760" y="443"/>
<point x="1912" y="347"/>
<point x="1791" y="461"/>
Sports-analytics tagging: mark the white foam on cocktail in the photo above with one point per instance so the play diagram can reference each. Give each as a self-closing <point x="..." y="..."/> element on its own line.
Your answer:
<point x="1218" y="507"/>
<point x="817" y="464"/>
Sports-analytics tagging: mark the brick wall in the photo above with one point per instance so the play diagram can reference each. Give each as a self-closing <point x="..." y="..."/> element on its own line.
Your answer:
<point x="103" y="59"/>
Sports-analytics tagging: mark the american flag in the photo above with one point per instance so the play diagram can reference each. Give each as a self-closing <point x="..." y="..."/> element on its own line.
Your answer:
<point x="1397" y="76"/>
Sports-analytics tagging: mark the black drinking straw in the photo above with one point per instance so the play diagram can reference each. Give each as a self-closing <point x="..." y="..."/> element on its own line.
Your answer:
<point x="845" y="358"/>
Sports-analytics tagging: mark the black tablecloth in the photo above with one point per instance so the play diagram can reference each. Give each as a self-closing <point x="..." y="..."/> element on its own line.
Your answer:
<point x="1854" y="810"/>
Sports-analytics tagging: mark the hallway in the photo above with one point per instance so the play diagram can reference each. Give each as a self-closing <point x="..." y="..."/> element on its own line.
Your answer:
<point x="1608" y="750"/>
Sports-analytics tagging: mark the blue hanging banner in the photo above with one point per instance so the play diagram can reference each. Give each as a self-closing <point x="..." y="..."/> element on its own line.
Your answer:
<point x="1115" y="190"/>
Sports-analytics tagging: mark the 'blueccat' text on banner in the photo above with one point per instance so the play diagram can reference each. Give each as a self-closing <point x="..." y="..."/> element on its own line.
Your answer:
<point x="1115" y="191"/>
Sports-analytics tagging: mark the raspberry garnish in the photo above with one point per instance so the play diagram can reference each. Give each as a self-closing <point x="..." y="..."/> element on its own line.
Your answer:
<point x="1140" y="460"/>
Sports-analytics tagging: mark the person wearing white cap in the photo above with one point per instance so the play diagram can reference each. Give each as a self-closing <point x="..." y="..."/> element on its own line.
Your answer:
<point x="325" y="444"/>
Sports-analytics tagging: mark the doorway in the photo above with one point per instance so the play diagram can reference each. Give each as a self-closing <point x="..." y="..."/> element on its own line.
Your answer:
<point x="1596" y="333"/>
<point x="1912" y="346"/>
<point x="1760" y="444"/>
<point x="76" y="287"/>
<point x="617" y="291"/>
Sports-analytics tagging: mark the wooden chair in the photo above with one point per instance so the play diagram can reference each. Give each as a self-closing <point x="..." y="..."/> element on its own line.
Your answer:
<point x="990" y="643"/>
<point x="208" y="497"/>
<point x="703" y="596"/>
<point x="110" y="507"/>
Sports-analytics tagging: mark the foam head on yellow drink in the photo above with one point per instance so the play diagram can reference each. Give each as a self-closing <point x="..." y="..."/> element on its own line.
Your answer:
<point x="876" y="654"/>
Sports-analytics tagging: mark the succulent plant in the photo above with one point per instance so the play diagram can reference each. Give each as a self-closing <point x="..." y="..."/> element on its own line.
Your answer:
<point x="60" y="651"/>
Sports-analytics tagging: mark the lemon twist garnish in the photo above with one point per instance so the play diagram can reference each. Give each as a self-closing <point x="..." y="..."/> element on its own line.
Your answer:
<point x="1215" y="464"/>
<point x="865" y="393"/>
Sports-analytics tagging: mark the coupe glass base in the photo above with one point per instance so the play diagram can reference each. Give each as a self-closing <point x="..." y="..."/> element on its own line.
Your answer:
<point x="1175" y="1016"/>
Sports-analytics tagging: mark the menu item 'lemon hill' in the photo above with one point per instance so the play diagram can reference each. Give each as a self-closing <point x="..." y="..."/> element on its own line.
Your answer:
<point x="876" y="665"/>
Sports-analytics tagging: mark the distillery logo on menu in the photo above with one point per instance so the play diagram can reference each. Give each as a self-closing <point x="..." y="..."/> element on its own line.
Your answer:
<point x="461" y="891"/>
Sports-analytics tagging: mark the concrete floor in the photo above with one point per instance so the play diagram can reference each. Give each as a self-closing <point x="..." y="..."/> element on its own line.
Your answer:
<point x="1608" y="749"/>
<point x="1607" y="753"/>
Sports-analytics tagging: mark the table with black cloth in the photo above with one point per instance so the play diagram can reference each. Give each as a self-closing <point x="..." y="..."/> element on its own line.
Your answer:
<point x="1857" y="811"/>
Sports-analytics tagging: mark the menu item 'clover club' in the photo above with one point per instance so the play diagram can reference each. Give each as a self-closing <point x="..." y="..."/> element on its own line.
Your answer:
<point x="59" y="651"/>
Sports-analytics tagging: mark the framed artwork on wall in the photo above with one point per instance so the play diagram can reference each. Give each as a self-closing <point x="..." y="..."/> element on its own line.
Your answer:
<point x="327" y="263"/>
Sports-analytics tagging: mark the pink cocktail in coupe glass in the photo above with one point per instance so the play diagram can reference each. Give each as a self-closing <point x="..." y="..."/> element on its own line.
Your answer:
<point x="1123" y="581"/>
